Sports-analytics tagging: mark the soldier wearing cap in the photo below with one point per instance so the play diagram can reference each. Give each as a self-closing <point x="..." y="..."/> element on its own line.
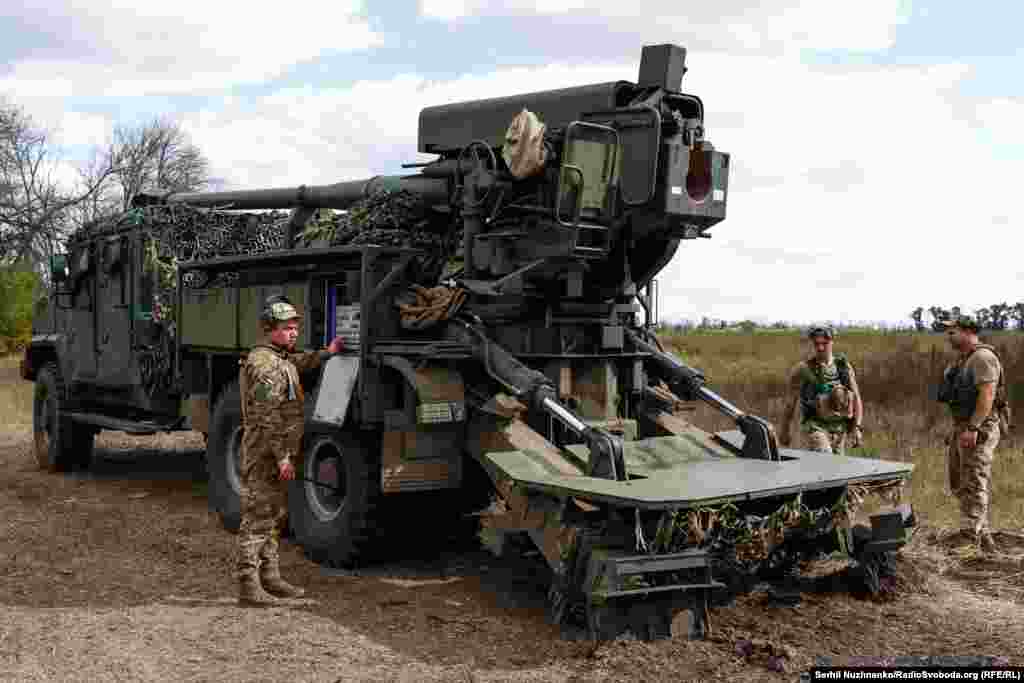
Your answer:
<point x="825" y="387"/>
<point x="969" y="387"/>
<point x="272" y="414"/>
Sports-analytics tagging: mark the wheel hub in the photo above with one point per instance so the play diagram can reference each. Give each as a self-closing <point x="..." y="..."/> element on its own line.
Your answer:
<point x="325" y="489"/>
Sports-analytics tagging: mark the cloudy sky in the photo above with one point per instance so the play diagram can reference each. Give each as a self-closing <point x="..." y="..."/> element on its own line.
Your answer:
<point x="877" y="145"/>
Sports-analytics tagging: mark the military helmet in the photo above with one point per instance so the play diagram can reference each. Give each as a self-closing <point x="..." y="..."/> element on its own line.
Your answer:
<point x="821" y="331"/>
<point x="278" y="309"/>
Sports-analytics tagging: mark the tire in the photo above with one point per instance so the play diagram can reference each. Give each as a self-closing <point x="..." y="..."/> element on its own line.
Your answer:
<point x="58" y="442"/>
<point x="337" y="528"/>
<point x="223" y="450"/>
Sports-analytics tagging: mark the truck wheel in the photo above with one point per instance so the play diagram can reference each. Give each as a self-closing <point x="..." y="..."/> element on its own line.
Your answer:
<point x="59" y="442"/>
<point x="336" y="526"/>
<point x="223" y="453"/>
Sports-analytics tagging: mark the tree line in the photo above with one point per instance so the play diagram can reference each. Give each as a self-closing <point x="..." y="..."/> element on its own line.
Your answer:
<point x="1001" y="316"/>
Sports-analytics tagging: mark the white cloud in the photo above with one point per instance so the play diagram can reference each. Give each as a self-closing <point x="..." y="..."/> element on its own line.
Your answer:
<point x="445" y="9"/>
<point x="866" y="25"/>
<point x="325" y="135"/>
<point x="855" y="192"/>
<point x="77" y="128"/>
<point x="873" y="181"/>
<point x="1002" y="119"/>
<point x="117" y="48"/>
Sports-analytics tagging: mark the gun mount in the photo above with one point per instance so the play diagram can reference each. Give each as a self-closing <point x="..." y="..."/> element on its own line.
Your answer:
<point x="528" y="359"/>
<point x="627" y="175"/>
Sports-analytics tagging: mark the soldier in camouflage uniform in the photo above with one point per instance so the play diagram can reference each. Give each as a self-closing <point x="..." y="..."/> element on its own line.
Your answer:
<point x="825" y="388"/>
<point x="272" y="413"/>
<point x="970" y="388"/>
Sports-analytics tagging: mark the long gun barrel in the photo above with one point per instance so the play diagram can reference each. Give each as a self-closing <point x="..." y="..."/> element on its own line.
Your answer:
<point x="688" y="383"/>
<point x="433" y="189"/>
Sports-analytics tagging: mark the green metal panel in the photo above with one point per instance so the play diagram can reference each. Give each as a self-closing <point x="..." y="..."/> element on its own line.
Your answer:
<point x="208" y="317"/>
<point x="683" y="472"/>
<point x="251" y="303"/>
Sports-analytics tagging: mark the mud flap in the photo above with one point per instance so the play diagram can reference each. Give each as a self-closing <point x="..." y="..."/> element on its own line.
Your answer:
<point x="334" y="393"/>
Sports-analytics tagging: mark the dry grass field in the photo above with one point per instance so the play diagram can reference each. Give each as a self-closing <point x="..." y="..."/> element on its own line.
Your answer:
<point x="895" y="371"/>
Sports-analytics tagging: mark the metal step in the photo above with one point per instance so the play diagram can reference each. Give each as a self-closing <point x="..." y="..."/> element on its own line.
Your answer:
<point x="129" y="426"/>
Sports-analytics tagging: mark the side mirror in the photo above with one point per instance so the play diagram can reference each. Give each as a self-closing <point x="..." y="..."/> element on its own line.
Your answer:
<point x="59" y="268"/>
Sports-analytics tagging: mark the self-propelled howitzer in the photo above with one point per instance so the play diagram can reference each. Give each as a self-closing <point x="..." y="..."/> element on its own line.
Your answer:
<point x="529" y="358"/>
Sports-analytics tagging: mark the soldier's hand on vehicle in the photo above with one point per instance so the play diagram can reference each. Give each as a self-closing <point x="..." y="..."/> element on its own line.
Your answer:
<point x="856" y="437"/>
<point x="337" y="345"/>
<point x="286" y="470"/>
<point x="968" y="439"/>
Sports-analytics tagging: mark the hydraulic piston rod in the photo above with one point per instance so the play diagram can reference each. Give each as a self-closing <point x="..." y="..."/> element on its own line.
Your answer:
<point x="606" y="455"/>
<point x="688" y="383"/>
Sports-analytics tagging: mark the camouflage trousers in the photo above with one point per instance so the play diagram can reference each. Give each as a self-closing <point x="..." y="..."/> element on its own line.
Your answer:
<point x="264" y="507"/>
<point x="970" y="475"/>
<point x="825" y="442"/>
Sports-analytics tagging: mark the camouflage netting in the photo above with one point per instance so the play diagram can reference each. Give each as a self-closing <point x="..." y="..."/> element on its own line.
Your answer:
<point x="173" y="234"/>
<point x="391" y="219"/>
<point x="394" y="219"/>
<point x="183" y="233"/>
<point x="749" y="544"/>
<point x="178" y="233"/>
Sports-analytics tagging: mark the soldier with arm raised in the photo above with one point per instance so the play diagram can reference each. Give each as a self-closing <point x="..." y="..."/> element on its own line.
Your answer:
<point x="273" y="416"/>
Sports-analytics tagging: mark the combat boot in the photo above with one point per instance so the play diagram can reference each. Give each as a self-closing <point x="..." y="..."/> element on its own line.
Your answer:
<point x="270" y="577"/>
<point x="252" y="594"/>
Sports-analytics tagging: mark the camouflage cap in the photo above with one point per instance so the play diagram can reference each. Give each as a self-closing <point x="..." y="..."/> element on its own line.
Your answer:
<point x="821" y="331"/>
<point x="278" y="309"/>
<point x="964" y="322"/>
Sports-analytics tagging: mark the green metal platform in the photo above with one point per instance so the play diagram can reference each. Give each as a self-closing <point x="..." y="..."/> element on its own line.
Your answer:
<point x="692" y="470"/>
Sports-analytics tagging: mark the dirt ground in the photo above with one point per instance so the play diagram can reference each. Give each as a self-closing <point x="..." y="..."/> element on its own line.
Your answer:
<point x="122" y="573"/>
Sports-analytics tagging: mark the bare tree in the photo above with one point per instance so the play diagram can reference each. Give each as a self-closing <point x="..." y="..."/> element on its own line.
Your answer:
<point x="1018" y="314"/>
<point x="984" y="318"/>
<point x="106" y="200"/>
<point x="158" y="155"/>
<point x="34" y="208"/>
<point x="1000" y="314"/>
<point x="917" y="316"/>
<point x="938" y="315"/>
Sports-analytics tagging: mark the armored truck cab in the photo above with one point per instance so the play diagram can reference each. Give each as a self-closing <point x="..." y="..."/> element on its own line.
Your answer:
<point x="102" y="353"/>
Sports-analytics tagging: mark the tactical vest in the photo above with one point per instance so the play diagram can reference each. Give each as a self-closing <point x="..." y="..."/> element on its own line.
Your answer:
<point x="963" y="392"/>
<point x="814" y="383"/>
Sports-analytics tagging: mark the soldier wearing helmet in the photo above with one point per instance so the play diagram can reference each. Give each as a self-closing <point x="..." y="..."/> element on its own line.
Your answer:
<point x="825" y="388"/>
<point x="272" y="414"/>
<point x="973" y="387"/>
